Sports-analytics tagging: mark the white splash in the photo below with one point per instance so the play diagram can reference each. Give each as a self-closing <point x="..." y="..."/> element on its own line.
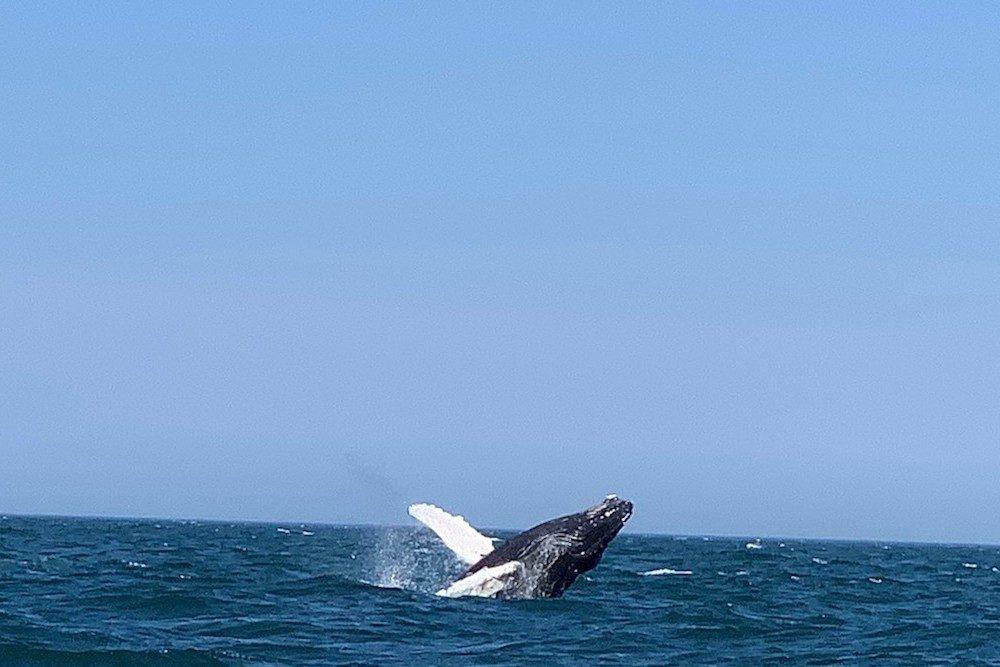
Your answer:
<point x="412" y="560"/>
<point x="394" y="563"/>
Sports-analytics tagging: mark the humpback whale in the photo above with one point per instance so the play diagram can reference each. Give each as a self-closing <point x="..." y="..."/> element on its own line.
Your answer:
<point x="541" y="562"/>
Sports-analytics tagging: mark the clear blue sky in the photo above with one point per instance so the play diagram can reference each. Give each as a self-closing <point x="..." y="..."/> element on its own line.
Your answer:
<point x="738" y="262"/>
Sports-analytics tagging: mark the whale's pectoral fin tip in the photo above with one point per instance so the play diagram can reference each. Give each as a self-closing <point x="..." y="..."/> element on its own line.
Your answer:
<point x="465" y="541"/>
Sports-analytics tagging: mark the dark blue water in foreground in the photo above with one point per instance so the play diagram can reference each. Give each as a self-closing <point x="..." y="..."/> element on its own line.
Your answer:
<point x="85" y="591"/>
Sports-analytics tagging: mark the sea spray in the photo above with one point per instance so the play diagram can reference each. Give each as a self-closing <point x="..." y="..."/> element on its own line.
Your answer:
<point x="411" y="559"/>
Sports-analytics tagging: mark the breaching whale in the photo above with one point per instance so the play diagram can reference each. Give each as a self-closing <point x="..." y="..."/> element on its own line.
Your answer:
<point x="541" y="562"/>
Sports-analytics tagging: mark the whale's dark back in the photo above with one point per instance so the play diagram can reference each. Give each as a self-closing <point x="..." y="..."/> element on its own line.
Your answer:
<point x="556" y="552"/>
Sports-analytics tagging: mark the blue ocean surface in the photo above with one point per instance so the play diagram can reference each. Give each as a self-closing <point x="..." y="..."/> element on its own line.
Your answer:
<point x="145" y="592"/>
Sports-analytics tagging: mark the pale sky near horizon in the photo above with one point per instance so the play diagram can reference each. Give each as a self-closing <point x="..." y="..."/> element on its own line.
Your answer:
<point x="314" y="261"/>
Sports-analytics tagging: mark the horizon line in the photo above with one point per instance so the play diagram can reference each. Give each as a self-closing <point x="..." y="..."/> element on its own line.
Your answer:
<point x="625" y="531"/>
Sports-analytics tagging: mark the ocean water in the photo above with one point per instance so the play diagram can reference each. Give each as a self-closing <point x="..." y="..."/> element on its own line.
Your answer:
<point x="130" y="592"/>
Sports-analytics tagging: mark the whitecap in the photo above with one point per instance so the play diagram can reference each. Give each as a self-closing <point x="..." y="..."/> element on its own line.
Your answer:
<point x="820" y="561"/>
<point x="971" y="566"/>
<point x="284" y="530"/>
<point x="307" y="533"/>
<point x="742" y="573"/>
<point x="754" y="545"/>
<point x="664" y="570"/>
<point x="875" y="580"/>
<point x="135" y="563"/>
<point x="795" y="577"/>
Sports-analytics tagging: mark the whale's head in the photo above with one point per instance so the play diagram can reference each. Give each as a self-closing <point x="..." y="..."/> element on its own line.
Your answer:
<point x="597" y="526"/>
<point x="553" y="554"/>
<point x="600" y="524"/>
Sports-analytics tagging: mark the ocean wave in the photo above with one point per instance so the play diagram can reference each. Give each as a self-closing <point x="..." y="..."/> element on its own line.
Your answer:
<point x="69" y="597"/>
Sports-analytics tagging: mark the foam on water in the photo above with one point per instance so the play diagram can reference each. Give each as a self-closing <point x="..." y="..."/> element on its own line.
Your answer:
<point x="665" y="571"/>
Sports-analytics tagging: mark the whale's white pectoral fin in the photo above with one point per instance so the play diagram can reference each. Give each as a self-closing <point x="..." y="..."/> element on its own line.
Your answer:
<point x="468" y="543"/>
<point x="484" y="583"/>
